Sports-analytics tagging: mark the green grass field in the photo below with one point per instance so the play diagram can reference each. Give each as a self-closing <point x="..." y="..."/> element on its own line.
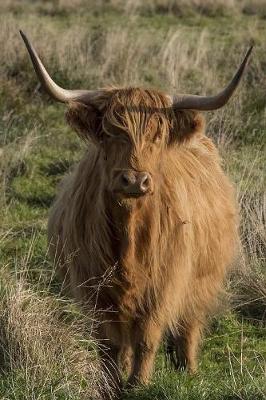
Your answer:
<point x="46" y="346"/>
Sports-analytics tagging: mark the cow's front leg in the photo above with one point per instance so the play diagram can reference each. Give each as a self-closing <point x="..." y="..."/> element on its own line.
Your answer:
<point x="126" y="356"/>
<point x="147" y="337"/>
<point x="109" y="350"/>
<point x="112" y="381"/>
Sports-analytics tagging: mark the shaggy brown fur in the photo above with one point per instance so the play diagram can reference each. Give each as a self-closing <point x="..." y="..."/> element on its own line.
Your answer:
<point x="152" y="264"/>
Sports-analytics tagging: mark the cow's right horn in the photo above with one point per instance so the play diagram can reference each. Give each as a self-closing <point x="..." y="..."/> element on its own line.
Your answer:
<point x="55" y="91"/>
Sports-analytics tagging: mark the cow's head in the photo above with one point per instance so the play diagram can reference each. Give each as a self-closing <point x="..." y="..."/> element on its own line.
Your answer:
<point x="132" y="126"/>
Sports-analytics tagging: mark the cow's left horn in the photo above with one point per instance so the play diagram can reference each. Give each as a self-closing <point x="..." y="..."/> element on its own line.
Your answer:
<point x="55" y="91"/>
<point x="206" y="103"/>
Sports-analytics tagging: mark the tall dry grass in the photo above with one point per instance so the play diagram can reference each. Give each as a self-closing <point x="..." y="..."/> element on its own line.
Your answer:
<point x="45" y="342"/>
<point x="133" y="7"/>
<point x="249" y="280"/>
<point x="183" y="7"/>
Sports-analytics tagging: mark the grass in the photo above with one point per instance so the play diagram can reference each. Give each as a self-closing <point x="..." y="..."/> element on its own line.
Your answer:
<point x="46" y="346"/>
<point x="40" y="331"/>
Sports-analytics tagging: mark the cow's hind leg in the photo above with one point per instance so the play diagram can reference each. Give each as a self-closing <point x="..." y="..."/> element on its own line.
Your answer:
<point x="176" y="351"/>
<point x="183" y="345"/>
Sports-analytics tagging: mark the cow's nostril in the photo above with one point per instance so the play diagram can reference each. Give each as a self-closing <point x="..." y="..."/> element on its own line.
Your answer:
<point x="145" y="183"/>
<point x="125" y="180"/>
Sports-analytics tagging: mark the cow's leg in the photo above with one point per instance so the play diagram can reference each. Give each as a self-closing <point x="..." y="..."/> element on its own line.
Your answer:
<point x="183" y="346"/>
<point x="147" y="337"/>
<point x="193" y="339"/>
<point x="126" y="358"/>
<point x="110" y="345"/>
<point x="176" y="350"/>
<point x="112" y="378"/>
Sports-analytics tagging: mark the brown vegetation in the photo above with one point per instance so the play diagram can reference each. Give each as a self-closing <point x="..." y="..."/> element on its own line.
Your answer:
<point x="36" y="332"/>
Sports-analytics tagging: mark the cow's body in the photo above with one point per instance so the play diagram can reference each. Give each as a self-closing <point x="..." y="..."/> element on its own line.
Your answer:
<point x="153" y="264"/>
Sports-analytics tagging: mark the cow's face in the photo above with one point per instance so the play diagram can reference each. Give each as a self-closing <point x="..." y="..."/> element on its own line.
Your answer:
<point x="134" y="131"/>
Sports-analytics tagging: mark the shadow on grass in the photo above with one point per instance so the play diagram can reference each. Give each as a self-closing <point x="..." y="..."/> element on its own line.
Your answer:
<point x="145" y="393"/>
<point x="43" y="201"/>
<point x="56" y="167"/>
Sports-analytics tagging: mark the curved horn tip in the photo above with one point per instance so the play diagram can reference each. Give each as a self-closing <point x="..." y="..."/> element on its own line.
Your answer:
<point x="249" y="51"/>
<point x="22" y="34"/>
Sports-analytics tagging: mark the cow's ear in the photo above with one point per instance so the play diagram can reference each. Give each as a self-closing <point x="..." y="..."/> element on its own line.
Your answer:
<point x="86" y="120"/>
<point x="187" y="124"/>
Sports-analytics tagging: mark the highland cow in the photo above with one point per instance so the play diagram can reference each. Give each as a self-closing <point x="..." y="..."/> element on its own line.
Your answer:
<point x="145" y="228"/>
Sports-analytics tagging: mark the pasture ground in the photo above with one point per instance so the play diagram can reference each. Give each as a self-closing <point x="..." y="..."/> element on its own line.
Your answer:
<point x="46" y="350"/>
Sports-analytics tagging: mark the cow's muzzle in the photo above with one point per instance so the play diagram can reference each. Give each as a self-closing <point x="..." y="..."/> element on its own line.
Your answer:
<point x="131" y="183"/>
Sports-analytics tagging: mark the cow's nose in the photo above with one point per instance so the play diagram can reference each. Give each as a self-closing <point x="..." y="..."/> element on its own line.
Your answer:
<point x="133" y="183"/>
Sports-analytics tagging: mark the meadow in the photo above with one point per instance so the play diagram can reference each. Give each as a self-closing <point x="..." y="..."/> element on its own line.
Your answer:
<point x="194" y="46"/>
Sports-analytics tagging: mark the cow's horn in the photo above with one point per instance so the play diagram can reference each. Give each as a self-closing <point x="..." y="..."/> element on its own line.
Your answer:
<point x="206" y="103"/>
<point x="55" y="91"/>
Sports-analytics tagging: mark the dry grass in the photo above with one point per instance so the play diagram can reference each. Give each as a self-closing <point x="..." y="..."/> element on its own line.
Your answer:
<point x="45" y="342"/>
<point x="249" y="282"/>
<point x="184" y="7"/>
<point x="131" y="7"/>
<point x="250" y="295"/>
